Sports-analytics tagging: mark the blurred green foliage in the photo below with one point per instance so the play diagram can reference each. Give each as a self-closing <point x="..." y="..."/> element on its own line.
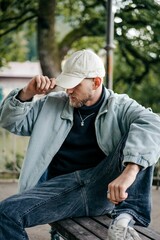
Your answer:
<point x="82" y="24"/>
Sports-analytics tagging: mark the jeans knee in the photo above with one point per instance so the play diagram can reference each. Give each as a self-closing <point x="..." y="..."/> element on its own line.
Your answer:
<point x="4" y="207"/>
<point x="9" y="207"/>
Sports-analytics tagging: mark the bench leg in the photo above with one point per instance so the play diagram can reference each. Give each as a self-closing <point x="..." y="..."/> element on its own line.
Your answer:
<point x="54" y="234"/>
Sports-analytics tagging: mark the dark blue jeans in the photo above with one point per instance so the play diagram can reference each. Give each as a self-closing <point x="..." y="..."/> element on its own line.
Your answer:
<point x="82" y="193"/>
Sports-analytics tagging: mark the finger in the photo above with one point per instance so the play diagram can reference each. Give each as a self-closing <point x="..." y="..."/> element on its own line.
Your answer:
<point x="122" y="193"/>
<point x="52" y="83"/>
<point x="112" y="194"/>
<point x="38" y="81"/>
<point x="43" y="82"/>
<point x="108" y="196"/>
<point x="47" y="85"/>
<point x="117" y="193"/>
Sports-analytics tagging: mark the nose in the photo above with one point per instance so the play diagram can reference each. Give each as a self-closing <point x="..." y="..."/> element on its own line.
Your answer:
<point x="70" y="90"/>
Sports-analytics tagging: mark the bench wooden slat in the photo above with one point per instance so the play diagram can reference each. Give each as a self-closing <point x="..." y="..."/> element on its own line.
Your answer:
<point x="97" y="229"/>
<point x="145" y="233"/>
<point x="106" y="222"/>
<point x="69" y="229"/>
<point x="94" y="228"/>
<point x="148" y="232"/>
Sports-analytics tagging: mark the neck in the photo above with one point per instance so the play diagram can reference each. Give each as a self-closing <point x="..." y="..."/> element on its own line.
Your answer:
<point x="96" y="96"/>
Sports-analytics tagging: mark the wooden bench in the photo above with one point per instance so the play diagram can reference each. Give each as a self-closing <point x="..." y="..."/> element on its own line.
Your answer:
<point x="93" y="228"/>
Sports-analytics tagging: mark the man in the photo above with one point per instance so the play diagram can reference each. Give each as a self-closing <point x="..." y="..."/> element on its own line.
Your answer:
<point x="91" y="152"/>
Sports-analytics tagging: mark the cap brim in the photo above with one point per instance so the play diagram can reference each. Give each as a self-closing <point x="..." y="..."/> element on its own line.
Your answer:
<point x="67" y="81"/>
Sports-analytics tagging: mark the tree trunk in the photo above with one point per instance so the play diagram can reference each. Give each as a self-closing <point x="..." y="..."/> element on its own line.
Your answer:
<point x="47" y="46"/>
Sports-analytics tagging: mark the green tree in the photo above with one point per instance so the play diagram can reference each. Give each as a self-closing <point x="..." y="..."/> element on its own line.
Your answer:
<point x="137" y="37"/>
<point x="16" y="20"/>
<point x="72" y="24"/>
<point x="137" y="54"/>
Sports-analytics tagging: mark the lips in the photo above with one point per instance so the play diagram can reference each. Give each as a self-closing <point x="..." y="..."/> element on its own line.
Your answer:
<point x="72" y="97"/>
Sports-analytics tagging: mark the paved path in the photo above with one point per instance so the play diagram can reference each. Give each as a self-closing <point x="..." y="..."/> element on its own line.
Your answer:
<point x="42" y="232"/>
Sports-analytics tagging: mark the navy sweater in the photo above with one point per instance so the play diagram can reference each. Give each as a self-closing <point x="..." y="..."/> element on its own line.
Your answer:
<point x="80" y="149"/>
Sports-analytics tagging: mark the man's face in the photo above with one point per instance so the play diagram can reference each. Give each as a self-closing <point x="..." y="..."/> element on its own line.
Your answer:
<point x="82" y="94"/>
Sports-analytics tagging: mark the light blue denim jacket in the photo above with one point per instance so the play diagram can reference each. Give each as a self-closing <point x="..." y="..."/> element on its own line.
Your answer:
<point x="48" y="121"/>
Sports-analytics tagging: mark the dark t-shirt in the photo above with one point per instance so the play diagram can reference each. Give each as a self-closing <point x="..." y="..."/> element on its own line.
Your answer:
<point x="80" y="149"/>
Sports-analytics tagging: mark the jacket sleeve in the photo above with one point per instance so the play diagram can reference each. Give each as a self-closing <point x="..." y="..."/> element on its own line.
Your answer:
<point x="19" y="117"/>
<point x="143" y="126"/>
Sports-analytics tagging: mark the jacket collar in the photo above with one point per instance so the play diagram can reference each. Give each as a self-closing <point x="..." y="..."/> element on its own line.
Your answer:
<point x="68" y="110"/>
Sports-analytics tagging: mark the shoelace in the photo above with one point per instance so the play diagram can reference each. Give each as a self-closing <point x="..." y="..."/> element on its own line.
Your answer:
<point x="132" y="233"/>
<point x="120" y="232"/>
<point x="127" y="233"/>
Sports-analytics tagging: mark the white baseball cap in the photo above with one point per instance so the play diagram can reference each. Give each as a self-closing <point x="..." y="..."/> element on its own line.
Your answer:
<point x="82" y="64"/>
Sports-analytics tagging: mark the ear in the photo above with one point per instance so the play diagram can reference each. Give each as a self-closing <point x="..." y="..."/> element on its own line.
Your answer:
<point x="97" y="82"/>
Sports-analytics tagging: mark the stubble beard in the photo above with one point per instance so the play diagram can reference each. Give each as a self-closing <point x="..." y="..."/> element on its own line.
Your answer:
<point x="78" y="103"/>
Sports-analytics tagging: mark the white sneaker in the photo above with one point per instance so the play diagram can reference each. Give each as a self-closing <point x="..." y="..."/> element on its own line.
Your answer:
<point x="118" y="232"/>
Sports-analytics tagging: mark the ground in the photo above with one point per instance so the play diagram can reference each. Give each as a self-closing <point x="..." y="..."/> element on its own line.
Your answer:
<point x="42" y="232"/>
